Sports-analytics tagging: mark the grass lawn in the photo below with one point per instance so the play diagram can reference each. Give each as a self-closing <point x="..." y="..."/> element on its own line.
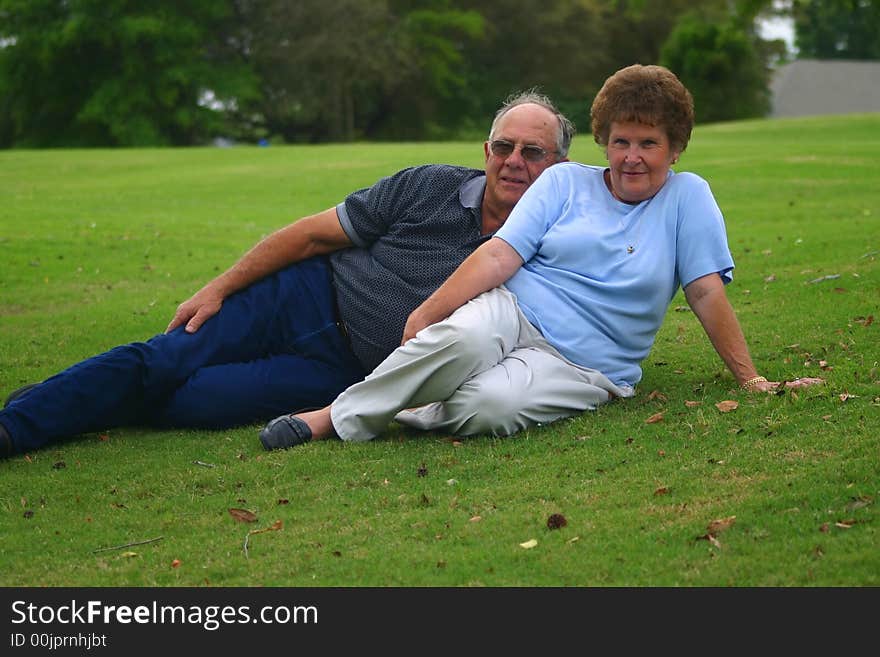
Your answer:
<point x="98" y="247"/>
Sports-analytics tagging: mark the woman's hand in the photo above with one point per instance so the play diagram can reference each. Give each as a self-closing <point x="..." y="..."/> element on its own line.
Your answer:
<point x="763" y="385"/>
<point x="414" y="323"/>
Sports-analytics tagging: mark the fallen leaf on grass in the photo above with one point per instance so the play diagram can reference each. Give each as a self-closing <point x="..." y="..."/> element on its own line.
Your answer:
<point x="476" y="519"/>
<point x="727" y="405"/>
<point x="859" y="503"/>
<point x="845" y="524"/>
<point x="274" y="527"/>
<point x="528" y="545"/>
<point x="691" y="404"/>
<point x="556" y="521"/>
<point x="721" y="524"/>
<point x="845" y="395"/>
<point x="128" y="555"/>
<point x="656" y="394"/>
<point x="663" y="490"/>
<point x="714" y="528"/>
<point x="175" y="563"/>
<point x="243" y="515"/>
<point x="657" y="417"/>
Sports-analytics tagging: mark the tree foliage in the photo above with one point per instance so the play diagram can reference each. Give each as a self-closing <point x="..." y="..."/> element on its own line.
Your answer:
<point x="837" y="29"/>
<point x="123" y="72"/>
<point x="114" y="72"/>
<point x="721" y="66"/>
<point x="377" y="58"/>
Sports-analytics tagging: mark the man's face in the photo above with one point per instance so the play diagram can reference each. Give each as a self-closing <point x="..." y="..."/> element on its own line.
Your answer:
<point x="509" y="176"/>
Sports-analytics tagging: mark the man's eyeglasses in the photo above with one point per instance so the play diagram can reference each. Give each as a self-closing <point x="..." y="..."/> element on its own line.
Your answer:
<point x="530" y="152"/>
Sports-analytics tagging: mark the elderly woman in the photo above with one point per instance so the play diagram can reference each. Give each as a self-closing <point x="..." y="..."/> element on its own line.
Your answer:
<point x="554" y="315"/>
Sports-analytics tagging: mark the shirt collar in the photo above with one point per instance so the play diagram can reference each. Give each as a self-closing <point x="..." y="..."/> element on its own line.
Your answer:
<point x="471" y="192"/>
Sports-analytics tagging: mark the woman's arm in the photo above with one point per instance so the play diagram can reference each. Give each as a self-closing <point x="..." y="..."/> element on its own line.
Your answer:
<point x="708" y="299"/>
<point x="486" y="268"/>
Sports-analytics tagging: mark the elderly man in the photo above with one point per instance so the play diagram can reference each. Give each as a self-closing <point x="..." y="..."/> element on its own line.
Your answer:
<point x="310" y="309"/>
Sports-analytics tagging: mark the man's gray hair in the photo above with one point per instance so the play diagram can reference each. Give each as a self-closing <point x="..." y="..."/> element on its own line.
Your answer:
<point x="532" y="96"/>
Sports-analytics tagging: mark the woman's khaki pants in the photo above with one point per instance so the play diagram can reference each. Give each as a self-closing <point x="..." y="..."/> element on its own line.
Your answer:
<point x="484" y="369"/>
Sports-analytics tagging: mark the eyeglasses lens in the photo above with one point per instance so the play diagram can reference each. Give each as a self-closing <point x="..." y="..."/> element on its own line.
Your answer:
<point x="502" y="148"/>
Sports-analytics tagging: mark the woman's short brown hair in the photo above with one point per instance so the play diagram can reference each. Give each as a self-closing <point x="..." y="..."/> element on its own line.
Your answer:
<point x="652" y="95"/>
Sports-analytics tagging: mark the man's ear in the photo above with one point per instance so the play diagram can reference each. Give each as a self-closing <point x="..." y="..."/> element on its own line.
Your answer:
<point x="486" y="150"/>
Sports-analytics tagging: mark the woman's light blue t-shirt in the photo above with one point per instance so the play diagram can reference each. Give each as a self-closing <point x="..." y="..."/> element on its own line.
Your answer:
<point x="598" y="304"/>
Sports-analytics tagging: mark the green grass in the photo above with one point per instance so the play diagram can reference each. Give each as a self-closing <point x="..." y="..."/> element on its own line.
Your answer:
<point x="98" y="247"/>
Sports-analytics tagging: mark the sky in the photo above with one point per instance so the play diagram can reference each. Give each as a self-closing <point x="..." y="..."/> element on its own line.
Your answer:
<point x="778" y="28"/>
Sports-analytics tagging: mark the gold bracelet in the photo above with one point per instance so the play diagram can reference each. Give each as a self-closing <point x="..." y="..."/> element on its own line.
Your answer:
<point x="748" y="385"/>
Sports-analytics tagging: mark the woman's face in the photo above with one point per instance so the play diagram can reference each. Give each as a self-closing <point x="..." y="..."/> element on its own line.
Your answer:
<point x="639" y="157"/>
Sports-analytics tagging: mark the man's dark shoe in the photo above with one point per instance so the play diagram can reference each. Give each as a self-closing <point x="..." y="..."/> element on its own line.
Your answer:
<point x="284" y="432"/>
<point x="15" y="394"/>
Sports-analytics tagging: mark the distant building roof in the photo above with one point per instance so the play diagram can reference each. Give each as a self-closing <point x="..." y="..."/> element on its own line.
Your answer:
<point x="808" y="87"/>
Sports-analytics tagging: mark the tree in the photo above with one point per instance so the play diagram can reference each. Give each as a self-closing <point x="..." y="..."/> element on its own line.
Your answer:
<point x="559" y="47"/>
<point x="837" y="29"/>
<point x="115" y="72"/>
<point x="346" y="69"/>
<point x="721" y="66"/>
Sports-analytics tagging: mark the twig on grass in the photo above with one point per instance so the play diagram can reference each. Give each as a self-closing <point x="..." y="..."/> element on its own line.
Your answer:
<point x="830" y="277"/>
<point x="119" y="547"/>
<point x="274" y="527"/>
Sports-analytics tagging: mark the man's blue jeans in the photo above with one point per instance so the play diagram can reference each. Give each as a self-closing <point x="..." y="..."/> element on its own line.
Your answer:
<point x="273" y="348"/>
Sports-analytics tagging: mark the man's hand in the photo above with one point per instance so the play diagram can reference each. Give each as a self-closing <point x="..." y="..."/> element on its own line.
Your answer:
<point x="196" y="310"/>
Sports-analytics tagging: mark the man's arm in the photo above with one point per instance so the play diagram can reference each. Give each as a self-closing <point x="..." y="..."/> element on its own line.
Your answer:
<point x="314" y="235"/>
<point x="484" y="269"/>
